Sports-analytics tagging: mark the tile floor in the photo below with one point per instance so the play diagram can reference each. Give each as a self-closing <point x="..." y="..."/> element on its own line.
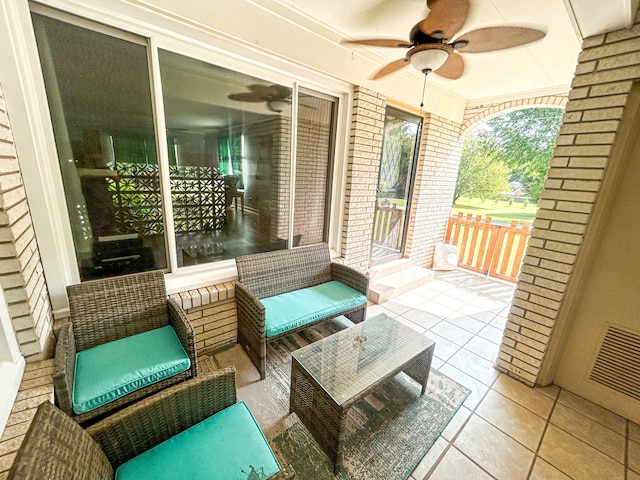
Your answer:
<point x="506" y="430"/>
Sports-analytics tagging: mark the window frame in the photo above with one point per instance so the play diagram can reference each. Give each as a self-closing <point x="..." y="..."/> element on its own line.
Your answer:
<point x="41" y="172"/>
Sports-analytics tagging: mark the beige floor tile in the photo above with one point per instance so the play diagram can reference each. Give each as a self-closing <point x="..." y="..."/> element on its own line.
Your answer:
<point x="422" y="318"/>
<point x="456" y="423"/>
<point x="444" y="348"/>
<point x="594" y="412"/>
<point x="577" y="459"/>
<point x="455" y="466"/>
<point x="467" y="323"/>
<point x="492" y="334"/>
<point x="631" y="475"/>
<point x="551" y="391"/>
<point x="513" y="419"/>
<point x="526" y="396"/>
<point x="493" y="450"/>
<point x="452" y="333"/>
<point x="634" y="456"/>
<point x="437" y="309"/>
<point x="543" y="471"/>
<point x="396" y="307"/>
<point x="430" y="459"/>
<point x="596" y="435"/>
<point x="476" y="366"/>
<point x="478" y="389"/>
<point x="484" y="348"/>
<point x="634" y="432"/>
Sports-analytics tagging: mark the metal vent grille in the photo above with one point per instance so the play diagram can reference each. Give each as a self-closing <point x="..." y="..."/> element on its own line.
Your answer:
<point x="617" y="365"/>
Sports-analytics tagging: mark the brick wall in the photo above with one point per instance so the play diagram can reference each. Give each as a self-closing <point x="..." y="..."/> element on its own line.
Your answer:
<point x="365" y="149"/>
<point x="312" y="162"/>
<point x="477" y="114"/>
<point x="607" y="67"/>
<point x="21" y="272"/>
<point x="435" y="182"/>
<point x="212" y="312"/>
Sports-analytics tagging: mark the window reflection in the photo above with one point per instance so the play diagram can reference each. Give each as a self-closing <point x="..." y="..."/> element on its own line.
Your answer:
<point x="100" y="102"/>
<point x="229" y="141"/>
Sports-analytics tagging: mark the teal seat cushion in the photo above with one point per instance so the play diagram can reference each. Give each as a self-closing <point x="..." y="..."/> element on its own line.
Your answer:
<point x="290" y="310"/>
<point x="226" y="446"/>
<point x="112" y="370"/>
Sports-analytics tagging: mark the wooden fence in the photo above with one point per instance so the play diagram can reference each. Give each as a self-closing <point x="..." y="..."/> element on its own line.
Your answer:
<point x="387" y="225"/>
<point x="489" y="248"/>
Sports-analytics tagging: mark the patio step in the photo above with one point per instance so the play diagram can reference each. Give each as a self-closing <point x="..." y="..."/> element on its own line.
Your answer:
<point x="389" y="268"/>
<point x="384" y="288"/>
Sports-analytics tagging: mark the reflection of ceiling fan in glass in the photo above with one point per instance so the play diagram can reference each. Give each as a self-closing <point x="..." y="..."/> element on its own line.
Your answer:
<point x="277" y="97"/>
<point x="434" y="45"/>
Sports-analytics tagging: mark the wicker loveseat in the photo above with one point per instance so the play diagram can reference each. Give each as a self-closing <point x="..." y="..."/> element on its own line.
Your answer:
<point x="195" y="429"/>
<point x="287" y="290"/>
<point x="125" y="340"/>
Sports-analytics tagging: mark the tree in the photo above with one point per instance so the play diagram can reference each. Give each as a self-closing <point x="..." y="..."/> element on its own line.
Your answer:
<point x="524" y="141"/>
<point x="481" y="174"/>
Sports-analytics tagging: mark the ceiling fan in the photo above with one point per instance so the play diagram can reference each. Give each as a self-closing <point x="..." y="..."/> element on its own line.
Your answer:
<point x="276" y="97"/>
<point x="433" y="44"/>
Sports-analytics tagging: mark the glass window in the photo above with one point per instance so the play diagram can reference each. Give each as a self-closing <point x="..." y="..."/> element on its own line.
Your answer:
<point x="229" y="139"/>
<point x="230" y="135"/>
<point x="100" y="102"/>
<point x="314" y="157"/>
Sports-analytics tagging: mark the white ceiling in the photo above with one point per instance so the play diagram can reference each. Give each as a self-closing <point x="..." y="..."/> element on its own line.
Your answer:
<point x="543" y="67"/>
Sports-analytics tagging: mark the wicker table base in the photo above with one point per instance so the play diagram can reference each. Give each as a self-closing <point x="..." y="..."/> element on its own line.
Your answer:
<point x="329" y="376"/>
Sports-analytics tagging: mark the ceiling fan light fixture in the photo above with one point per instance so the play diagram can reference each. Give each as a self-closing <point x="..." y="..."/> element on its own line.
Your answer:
<point x="277" y="106"/>
<point x="429" y="57"/>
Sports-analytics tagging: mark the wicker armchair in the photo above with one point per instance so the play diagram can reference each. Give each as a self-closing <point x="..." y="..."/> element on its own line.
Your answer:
<point x="269" y="274"/>
<point x="56" y="447"/>
<point x="110" y="309"/>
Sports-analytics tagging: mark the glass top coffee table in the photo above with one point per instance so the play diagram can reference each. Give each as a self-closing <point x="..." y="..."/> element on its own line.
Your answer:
<point x="329" y="376"/>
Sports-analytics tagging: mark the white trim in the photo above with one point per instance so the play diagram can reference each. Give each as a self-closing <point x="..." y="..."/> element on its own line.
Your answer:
<point x="25" y="97"/>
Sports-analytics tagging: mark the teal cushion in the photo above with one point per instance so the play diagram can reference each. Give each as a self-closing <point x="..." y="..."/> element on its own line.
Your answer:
<point x="112" y="370"/>
<point x="226" y="446"/>
<point x="290" y="310"/>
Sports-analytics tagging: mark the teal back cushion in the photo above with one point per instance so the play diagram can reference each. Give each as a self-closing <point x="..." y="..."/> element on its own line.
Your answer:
<point x="291" y="310"/>
<point x="114" y="369"/>
<point x="226" y="446"/>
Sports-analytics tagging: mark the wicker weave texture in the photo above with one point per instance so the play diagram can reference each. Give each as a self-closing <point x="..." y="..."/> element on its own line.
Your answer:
<point x="273" y="273"/>
<point x="117" y="307"/>
<point x="138" y="428"/>
<point x="57" y="448"/>
<point x="265" y="274"/>
<point x="140" y="304"/>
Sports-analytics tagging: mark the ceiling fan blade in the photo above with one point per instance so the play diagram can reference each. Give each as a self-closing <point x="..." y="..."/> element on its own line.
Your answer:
<point x="247" y="97"/>
<point x="268" y="91"/>
<point x="380" y="42"/>
<point x="497" y="38"/>
<point x="446" y="16"/>
<point x="452" y="68"/>
<point x="391" y="68"/>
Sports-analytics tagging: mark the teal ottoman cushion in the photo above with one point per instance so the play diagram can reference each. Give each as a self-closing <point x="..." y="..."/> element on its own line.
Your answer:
<point x="290" y="310"/>
<point x="112" y="370"/>
<point x="226" y="446"/>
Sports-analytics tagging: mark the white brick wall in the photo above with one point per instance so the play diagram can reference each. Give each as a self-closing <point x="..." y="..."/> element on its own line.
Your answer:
<point x="607" y="66"/>
<point x="365" y="148"/>
<point x="21" y="273"/>
<point x="435" y="182"/>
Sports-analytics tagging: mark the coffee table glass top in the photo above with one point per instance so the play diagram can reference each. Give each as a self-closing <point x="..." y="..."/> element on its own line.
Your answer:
<point x="349" y="362"/>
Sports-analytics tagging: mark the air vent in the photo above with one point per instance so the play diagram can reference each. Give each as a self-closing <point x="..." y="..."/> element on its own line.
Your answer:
<point x="618" y="363"/>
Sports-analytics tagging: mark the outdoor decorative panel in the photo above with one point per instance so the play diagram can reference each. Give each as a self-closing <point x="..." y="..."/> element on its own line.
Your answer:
<point x="197" y="194"/>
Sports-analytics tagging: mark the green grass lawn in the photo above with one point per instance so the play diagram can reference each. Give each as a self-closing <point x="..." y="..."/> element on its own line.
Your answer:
<point x="500" y="212"/>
